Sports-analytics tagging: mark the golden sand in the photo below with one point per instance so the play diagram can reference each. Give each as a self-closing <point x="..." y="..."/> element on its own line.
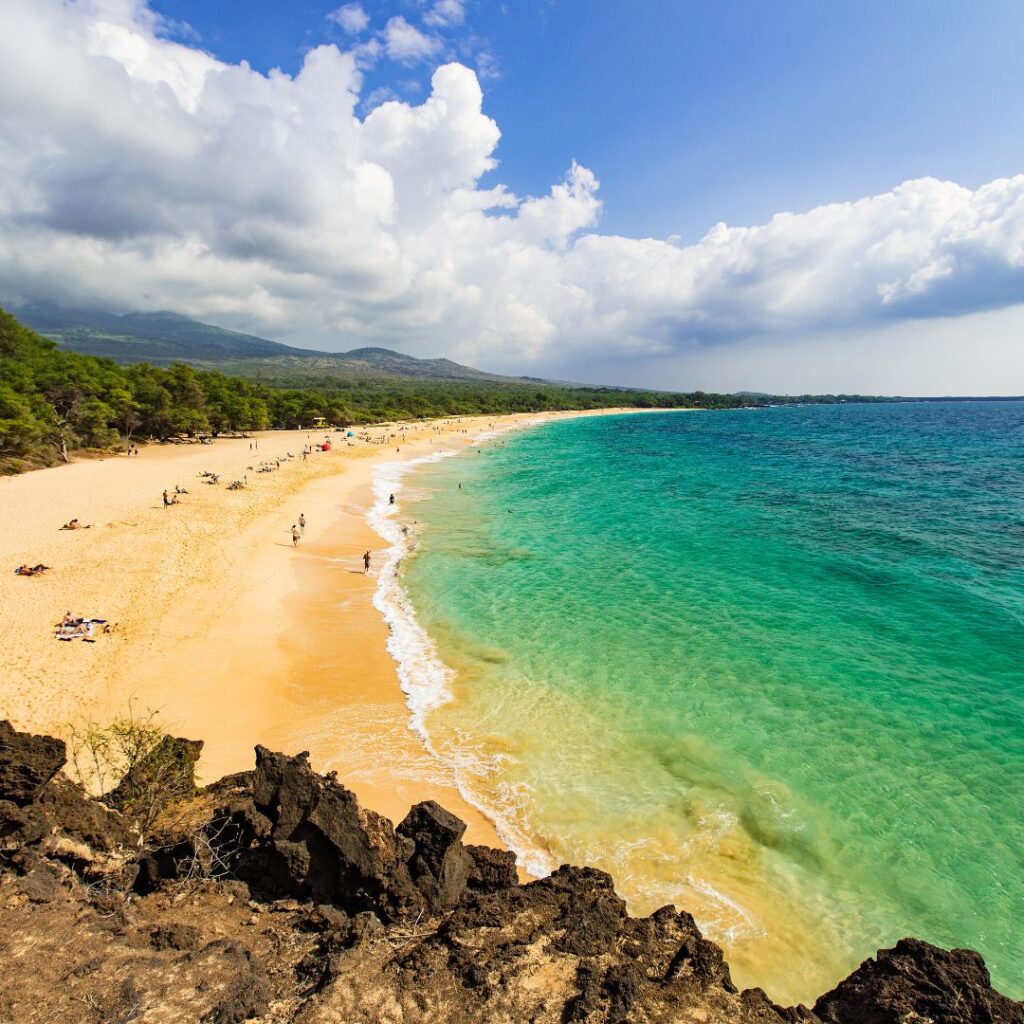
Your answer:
<point x="233" y="636"/>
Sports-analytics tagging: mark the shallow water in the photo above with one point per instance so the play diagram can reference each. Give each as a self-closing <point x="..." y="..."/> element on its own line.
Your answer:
<point x="765" y="665"/>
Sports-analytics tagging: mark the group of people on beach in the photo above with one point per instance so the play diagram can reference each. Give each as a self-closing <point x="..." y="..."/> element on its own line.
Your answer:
<point x="299" y="528"/>
<point x="70" y="626"/>
<point x="74" y="626"/>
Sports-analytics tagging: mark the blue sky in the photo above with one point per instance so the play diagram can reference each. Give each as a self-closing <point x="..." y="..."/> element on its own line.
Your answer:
<point x="790" y="196"/>
<point x="691" y="113"/>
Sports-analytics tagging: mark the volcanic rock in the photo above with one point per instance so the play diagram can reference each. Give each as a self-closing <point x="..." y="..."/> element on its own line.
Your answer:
<point x="27" y="763"/>
<point x="323" y="845"/>
<point x="439" y="866"/>
<point x="915" y="982"/>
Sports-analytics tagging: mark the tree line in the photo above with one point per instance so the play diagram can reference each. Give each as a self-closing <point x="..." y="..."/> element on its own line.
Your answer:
<point x="53" y="402"/>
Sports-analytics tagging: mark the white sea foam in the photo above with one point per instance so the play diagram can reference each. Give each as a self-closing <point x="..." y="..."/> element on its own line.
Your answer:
<point x="423" y="676"/>
<point x="737" y="922"/>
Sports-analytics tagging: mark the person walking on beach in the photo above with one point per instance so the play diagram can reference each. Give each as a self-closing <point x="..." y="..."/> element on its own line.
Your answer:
<point x="391" y="500"/>
<point x="295" y="536"/>
<point x="366" y="562"/>
<point x="302" y="521"/>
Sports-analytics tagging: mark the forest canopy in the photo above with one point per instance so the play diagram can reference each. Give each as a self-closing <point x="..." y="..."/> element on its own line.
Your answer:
<point x="53" y="402"/>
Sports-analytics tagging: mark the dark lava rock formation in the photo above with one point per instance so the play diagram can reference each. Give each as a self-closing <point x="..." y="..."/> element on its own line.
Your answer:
<point x="274" y="896"/>
<point x="915" y="982"/>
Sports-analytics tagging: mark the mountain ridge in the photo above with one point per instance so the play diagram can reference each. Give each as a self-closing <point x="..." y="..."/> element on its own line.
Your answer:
<point x="163" y="337"/>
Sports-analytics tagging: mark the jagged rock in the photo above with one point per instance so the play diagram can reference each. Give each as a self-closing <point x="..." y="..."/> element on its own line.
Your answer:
<point x="325" y="918"/>
<point x="63" y="810"/>
<point x="18" y="825"/>
<point x="401" y="926"/>
<point x="702" y="960"/>
<point x="491" y="869"/>
<point x="587" y="999"/>
<point x="560" y="950"/>
<point x="171" y="862"/>
<point x="27" y="763"/>
<point x="323" y="845"/>
<point x="166" y="773"/>
<point x="914" y="983"/>
<point x="440" y="866"/>
<point x="64" y="805"/>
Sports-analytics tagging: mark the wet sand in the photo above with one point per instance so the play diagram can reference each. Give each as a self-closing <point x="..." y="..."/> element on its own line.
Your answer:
<point x="217" y="623"/>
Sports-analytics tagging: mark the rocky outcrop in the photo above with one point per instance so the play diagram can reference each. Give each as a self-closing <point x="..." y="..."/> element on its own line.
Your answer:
<point x="491" y="869"/>
<point x="308" y="838"/>
<point x="916" y="982"/>
<point x="439" y="865"/>
<point x="45" y="816"/>
<point x="274" y="896"/>
<point x="562" y="949"/>
<point x="27" y="763"/>
<point x="167" y="772"/>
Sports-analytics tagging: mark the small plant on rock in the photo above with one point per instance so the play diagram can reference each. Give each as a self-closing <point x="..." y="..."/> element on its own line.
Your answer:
<point x="133" y="765"/>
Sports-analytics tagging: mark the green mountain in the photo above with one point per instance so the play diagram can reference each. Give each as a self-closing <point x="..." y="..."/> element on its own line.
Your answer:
<point x="164" y="338"/>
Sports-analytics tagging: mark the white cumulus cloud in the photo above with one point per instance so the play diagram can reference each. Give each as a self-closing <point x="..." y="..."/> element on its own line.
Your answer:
<point x="406" y="43"/>
<point x="139" y="172"/>
<point x="351" y="17"/>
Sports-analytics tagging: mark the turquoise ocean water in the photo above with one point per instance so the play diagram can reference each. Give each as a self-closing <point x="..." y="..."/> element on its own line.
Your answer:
<point x="765" y="665"/>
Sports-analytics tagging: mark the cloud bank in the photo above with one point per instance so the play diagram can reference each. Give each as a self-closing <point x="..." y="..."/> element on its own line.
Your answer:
<point x="138" y="172"/>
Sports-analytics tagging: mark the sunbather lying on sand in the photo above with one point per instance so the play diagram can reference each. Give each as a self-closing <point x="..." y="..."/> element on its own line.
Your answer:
<point x="74" y="524"/>
<point x="30" y="570"/>
<point x="72" y="626"/>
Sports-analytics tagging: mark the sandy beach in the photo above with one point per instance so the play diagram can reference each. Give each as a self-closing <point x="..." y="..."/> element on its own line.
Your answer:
<point x="216" y="622"/>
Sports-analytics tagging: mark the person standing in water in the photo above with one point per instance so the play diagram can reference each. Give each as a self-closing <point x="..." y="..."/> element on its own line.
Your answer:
<point x="366" y="562"/>
<point x="391" y="500"/>
<point x="302" y="522"/>
<point x="295" y="536"/>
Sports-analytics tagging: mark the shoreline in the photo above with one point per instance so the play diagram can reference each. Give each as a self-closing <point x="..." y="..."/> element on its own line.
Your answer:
<point x="217" y="624"/>
<point x="423" y="677"/>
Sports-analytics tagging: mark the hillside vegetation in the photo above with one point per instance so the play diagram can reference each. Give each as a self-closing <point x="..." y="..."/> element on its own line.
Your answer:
<point x="163" y="338"/>
<point x="53" y="402"/>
